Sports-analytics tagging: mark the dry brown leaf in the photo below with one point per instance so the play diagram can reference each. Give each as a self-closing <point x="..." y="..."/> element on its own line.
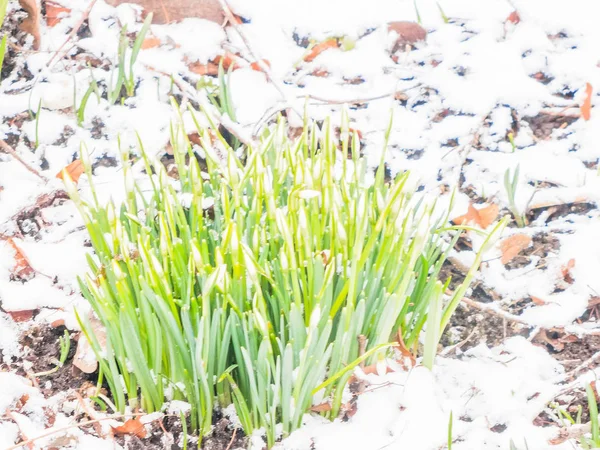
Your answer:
<point x="586" y="106"/>
<point x="55" y="13"/>
<point x="256" y="66"/>
<point x="320" y="48"/>
<point x="21" y="316"/>
<point x="150" y="42"/>
<point x="168" y="11"/>
<point x="22" y="268"/>
<point x="537" y="301"/>
<point x="409" y="33"/>
<point x="566" y="271"/>
<point x="132" y="427"/>
<point x="483" y="217"/>
<point x="31" y="24"/>
<point x="513" y="17"/>
<point x="321" y="407"/>
<point x="513" y="245"/>
<point x="74" y="170"/>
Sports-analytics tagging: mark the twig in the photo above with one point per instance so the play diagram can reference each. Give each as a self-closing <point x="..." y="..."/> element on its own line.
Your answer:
<point x="458" y="345"/>
<point x="11" y="151"/>
<point x="232" y="439"/>
<point x="264" y="67"/>
<point x="73" y="32"/>
<point x="494" y="309"/>
<point x="68" y="427"/>
<point x="584" y="365"/>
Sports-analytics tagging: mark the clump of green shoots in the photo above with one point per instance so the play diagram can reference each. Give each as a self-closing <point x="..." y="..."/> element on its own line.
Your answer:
<point x="126" y="78"/>
<point x="249" y="282"/>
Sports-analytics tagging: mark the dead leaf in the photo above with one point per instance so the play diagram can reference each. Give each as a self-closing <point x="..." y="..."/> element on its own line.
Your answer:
<point x="566" y="271"/>
<point x="22" y="316"/>
<point x="31" y="24"/>
<point x="22" y="268"/>
<point x="586" y="106"/>
<point x="409" y="33"/>
<point x="321" y="407"/>
<point x="150" y="42"/>
<point x="229" y="60"/>
<point x="320" y="48"/>
<point x="55" y="13"/>
<point x="256" y="66"/>
<point x="168" y="11"/>
<point x="483" y="217"/>
<point x="513" y="17"/>
<point x="513" y="245"/>
<point x="537" y="301"/>
<point x="74" y="170"/>
<point x="209" y="68"/>
<point x="132" y="427"/>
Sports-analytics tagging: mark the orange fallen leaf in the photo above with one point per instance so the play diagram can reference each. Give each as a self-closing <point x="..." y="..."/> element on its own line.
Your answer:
<point x="513" y="17"/>
<point x="74" y="170"/>
<point x="256" y="66"/>
<point x="537" y="301"/>
<point x="55" y="13"/>
<point x="513" y="245"/>
<point x="22" y="268"/>
<point x="150" y="42"/>
<point x="566" y="271"/>
<point x="229" y="60"/>
<point x="21" y="316"/>
<point x="132" y="427"/>
<point x="204" y="69"/>
<point x="483" y="217"/>
<point x="321" y="407"/>
<point x="320" y="48"/>
<point x="373" y="369"/>
<point x="586" y="106"/>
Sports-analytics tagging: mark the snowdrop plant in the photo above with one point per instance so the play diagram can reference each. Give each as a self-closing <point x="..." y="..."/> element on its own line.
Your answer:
<point x="125" y="76"/>
<point x="249" y="281"/>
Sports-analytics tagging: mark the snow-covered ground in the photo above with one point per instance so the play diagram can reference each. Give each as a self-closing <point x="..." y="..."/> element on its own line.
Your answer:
<point x="497" y="85"/>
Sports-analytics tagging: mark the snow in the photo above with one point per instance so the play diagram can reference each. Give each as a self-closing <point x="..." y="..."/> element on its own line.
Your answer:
<point x="471" y="84"/>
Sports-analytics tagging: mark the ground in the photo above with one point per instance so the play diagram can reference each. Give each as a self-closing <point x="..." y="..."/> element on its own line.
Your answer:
<point x="496" y="86"/>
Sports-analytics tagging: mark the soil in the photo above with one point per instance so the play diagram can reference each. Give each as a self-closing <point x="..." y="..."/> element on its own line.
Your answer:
<point x="542" y="245"/>
<point x="543" y="125"/>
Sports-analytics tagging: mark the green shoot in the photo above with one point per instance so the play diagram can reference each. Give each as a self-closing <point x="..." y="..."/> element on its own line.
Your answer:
<point x="64" y="343"/>
<point x="419" y="21"/>
<point x="510" y="184"/>
<point x="444" y="16"/>
<point x="3" y="43"/>
<point x="594" y="442"/>
<point x="125" y="79"/>
<point x="248" y="279"/>
<point x="450" y="432"/>
<point x="511" y="139"/>
<point x="92" y="88"/>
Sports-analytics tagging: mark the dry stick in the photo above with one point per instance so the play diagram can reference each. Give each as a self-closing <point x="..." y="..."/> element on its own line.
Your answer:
<point x="266" y="69"/>
<point x="75" y="425"/>
<point x="493" y="309"/>
<point x="12" y="152"/>
<point x="73" y="32"/>
<point x="232" y="439"/>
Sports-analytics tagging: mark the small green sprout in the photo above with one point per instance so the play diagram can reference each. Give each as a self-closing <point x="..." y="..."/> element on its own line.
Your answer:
<point x="125" y="79"/>
<point x="65" y="346"/>
<point x="511" y="139"/>
<point x="444" y="16"/>
<point x="510" y="184"/>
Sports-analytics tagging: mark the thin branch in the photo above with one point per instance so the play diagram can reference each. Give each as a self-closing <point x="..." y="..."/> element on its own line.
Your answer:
<point x="12" y="152"/>
<point x="73" y="32"/>
<point x="75" y="425"/>
<point x="264" y="67"/>
<point x="232" y="439"/>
